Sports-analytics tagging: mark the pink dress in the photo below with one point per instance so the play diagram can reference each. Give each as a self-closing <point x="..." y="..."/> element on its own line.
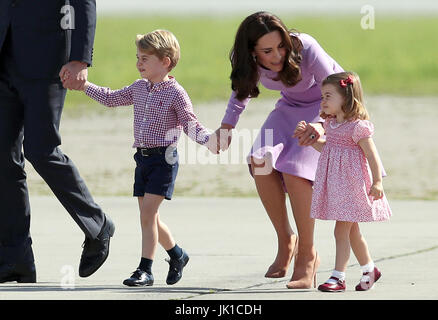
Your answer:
<point x="343" y="177"/>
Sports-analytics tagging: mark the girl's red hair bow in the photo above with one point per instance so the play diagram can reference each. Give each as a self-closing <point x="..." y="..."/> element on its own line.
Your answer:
<point x="346" y="82"/>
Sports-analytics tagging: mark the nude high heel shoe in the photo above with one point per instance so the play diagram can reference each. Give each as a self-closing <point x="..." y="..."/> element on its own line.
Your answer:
<point x="306" y="282"/>
<point x="281" y="273"/>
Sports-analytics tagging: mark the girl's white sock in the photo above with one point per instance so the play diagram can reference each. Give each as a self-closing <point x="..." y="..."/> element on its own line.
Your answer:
<point x="369" y="267"/>
<point x="337" y="274"/>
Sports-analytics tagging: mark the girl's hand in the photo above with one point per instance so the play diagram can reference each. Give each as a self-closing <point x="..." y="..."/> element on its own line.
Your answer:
<point x="311" y="133"/>
<point x="376" y="190"/>
<point x="301" y="126"/>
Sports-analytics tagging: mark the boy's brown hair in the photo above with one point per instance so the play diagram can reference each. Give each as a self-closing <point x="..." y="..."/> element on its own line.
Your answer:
<point x="161" y="43"/>
<point x="348" y="85"/>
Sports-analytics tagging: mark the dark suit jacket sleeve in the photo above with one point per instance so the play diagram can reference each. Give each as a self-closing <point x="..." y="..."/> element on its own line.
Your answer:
<point x="82" y="36"/>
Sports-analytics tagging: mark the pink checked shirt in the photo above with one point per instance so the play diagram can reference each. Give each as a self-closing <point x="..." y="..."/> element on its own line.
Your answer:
<point x="161" y="111"/>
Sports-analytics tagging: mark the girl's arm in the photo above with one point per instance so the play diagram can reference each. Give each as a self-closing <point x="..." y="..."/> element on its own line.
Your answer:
<point x="304" y="130"/>
<point x="370" y="151"/>
<point x="108" y="97"/>
<point x="319" y="144"/>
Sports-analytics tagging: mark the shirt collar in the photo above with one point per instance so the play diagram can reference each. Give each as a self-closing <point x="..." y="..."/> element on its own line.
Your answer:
<point x="161" y="85"/>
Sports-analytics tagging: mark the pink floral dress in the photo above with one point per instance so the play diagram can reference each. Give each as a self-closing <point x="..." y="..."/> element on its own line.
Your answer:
<point x="343" y="176"/>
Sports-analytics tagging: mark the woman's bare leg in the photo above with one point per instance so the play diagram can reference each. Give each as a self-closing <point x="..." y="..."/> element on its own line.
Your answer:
<point x="270" y="189"/>
<point x="307" y="261"/>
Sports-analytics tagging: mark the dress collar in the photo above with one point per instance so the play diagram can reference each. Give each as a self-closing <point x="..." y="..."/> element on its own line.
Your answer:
<point x="267" y="72"/>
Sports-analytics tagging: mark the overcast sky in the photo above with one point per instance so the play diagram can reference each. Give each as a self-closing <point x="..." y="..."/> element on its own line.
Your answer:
<point x="290" y="7"/>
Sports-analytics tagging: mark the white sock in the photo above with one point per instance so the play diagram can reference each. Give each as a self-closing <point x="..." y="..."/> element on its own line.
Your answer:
<point x="338" y="274"/>
<point x="369" y="267"/>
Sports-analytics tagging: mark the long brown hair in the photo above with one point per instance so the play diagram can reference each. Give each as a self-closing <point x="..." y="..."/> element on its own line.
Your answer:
<point x="244" y="75"/>
<point x="352" y="92"/>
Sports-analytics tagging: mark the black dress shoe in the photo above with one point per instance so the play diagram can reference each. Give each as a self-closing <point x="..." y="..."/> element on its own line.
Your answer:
<point x="139" y="278"/>
<point x="176" y="267"/>
<point x="96" y="250"/>
<point x="22" y="272"/>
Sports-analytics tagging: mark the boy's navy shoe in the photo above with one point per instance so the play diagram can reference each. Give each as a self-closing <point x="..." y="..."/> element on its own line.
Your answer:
<point x="96" y="250"/>
<point x="176" y="267"/>
<point x="139" y="278"/>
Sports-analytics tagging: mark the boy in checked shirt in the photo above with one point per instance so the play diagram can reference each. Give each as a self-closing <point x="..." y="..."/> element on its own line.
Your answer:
<point x="162" y="109"/>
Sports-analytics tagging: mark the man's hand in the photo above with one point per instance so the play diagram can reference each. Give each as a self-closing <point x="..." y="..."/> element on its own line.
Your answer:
<point x="74" y="75"/>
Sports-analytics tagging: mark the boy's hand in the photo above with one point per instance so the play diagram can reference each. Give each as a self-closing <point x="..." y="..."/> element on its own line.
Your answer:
<point x="85" y="86"/>
<point x="223" y="136"/>
<point x="212" y="144"/>
<point x="376" y="190"/>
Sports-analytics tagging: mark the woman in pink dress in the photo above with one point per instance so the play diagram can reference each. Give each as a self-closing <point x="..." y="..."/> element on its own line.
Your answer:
<point x="293" y="63"/>
<point x="348" y="184"/>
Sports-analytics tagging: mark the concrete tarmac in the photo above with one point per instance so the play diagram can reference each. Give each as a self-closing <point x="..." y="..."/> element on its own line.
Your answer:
<point x="231" y="242"/>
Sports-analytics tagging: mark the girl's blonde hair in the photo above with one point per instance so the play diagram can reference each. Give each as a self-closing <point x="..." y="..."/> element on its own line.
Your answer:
<point x="161" y="43"/>
<point x="348" y="85"/>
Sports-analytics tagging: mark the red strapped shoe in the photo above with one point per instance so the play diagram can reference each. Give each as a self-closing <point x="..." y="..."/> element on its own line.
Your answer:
<point x="339" y="286"/>
<point x="368" y="279"/>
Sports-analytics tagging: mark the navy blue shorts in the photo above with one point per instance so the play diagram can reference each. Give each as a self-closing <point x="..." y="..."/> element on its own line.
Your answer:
<point x="156" y="173"/>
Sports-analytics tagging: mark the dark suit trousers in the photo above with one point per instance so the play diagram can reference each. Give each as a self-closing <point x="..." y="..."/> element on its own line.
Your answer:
<point x="30" y="114"/>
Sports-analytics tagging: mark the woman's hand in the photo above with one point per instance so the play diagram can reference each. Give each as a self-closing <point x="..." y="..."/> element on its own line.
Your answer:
<point x="308" y="133"/>
<point x="221" y="138"/>
<point x="224" y="136"/>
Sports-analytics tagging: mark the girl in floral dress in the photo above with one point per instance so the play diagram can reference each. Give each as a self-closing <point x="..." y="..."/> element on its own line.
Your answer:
<point x="348" y="183"/>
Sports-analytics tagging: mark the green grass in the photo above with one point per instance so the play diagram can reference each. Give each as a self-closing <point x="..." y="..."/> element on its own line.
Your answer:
<point x="397" y="57"/>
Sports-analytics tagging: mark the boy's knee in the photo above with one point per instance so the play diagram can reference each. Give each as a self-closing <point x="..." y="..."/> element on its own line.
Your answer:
<point x="148" y="216"/>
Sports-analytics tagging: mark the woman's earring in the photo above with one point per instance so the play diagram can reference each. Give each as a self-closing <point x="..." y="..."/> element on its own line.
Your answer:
<point x="254" y="58"/>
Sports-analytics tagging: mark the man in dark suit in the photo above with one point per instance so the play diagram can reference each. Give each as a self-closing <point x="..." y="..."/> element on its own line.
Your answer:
<point x="39" y="40"/>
